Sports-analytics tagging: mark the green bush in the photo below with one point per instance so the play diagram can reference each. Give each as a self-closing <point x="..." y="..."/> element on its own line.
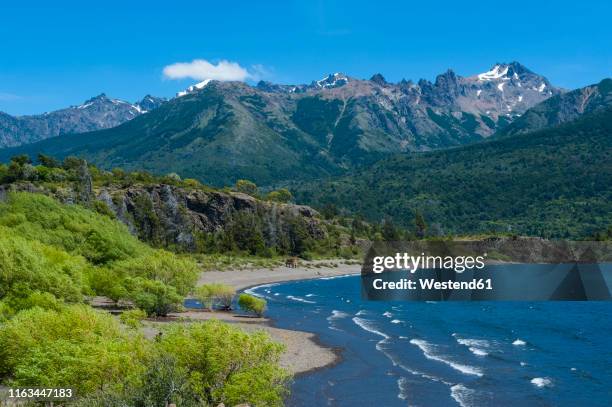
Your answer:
<point x="153" y="297"/>
<point x="246" y="187"/>
<point x="75" y="347"/>
<point x="211" y="295"/>
<point x="281" y="195"/>
<point x="29" y="268"/>
<point x="133" y="317"/>
<point x="253" y="304"/>
<point x="226" y="365"/>
<point x="68" y="251"/>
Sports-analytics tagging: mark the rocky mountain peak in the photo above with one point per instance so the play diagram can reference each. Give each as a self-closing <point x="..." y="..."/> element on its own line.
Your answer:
<point x="334" y="80"/>
<point x="149" y="103"/>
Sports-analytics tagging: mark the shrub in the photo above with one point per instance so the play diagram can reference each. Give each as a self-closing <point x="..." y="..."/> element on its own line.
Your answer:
<point x="133" y="317"/>
<point x="29" y="268"/>
<point x="179" y="272"/>
<point x="153" y="297"/>
<point x="74" y="347"/>
<point x="281" y="195"/>
<point x="253" y="304"/>
<point x="227" y="365"/>
<point x="215" y="294"/>
<point x="246" y="187"/>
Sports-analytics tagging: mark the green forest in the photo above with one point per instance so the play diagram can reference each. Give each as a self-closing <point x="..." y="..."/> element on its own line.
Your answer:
<point x="555" y="183"/>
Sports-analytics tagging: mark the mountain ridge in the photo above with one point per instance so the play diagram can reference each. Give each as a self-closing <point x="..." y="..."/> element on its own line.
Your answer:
<point x="221" y="131"/>
<point x="96" y="113"/>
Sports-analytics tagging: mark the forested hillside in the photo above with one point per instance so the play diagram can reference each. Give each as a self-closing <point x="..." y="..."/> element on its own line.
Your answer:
<point x="552" y="183"/>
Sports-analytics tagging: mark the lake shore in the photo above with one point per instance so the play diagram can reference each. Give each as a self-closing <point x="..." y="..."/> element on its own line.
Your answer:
<point x="304" y="353"/>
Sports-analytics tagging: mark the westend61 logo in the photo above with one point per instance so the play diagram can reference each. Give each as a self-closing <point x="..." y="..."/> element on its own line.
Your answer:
<point x="509" y="269"/>
<point x="408" y="263"/>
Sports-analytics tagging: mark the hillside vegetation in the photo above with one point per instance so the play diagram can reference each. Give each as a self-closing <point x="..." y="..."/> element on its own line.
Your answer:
<point x="54" y="257"/>
<point x="553" y="183"/>
<point x="52" y="253"/>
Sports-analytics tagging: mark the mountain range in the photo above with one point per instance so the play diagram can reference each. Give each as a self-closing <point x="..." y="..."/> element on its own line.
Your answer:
<point x="100" y="112"/>
<point x="221" y="131"/>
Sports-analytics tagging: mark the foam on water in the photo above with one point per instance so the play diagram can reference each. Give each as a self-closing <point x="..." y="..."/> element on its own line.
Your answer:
<point x="541" y="382"/>
<point x="463" y="395"/>
<point x="337" y="315"/>
<point x="336" y="277"/>
<point x="387" y="314"/>
<point x="403" y="391"/>
<point x="519" y="342"/>
<point x="481" y="343"/>
<point x="395" y="321"/>
<point x="252" y="291"/>
<point x="427" y="350"/>
<point x="476" y="346"/>
<point x="369" y="326"/>
<point x="478" y="351"/>
<point x="299" y="299"/>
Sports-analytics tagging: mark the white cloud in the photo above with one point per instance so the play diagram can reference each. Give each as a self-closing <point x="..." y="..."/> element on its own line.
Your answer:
<point x="200" y="69"/>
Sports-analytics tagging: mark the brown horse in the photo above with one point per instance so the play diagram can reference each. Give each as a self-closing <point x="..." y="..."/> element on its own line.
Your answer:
<point x="291" y="262"/>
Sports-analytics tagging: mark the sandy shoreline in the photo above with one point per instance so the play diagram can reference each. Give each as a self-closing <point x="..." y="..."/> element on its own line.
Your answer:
<point x="304" y="353"/>
<point x="241" y="279"/>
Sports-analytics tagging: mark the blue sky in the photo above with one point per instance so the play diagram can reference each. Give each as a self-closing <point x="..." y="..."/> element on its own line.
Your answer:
<point x="60" y="53"/>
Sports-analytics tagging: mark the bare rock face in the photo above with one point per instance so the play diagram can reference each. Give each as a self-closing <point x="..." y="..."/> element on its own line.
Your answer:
<point x="170" y="215"/>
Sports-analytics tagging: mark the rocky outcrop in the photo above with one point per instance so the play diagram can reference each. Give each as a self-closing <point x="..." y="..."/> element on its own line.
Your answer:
<point x="171" y="216"/>
<point x="176" y="216"/>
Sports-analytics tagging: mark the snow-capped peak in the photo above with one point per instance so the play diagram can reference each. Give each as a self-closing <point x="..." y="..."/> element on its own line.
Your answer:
<point x="497" y="72"/>
<point x="193" y="88"/>
<point x="332" y="81"/>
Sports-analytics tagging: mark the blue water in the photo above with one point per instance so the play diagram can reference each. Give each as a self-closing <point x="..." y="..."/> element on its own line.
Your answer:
<point x="447" y="354"/>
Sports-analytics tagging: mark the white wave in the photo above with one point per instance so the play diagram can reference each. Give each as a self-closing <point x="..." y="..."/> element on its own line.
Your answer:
<point x="402" y="384"/>
<point x="541" y="381"/>
<point x="337" y="315"/>
<point x="395" y="321"/>
<point x="276" y="294"/>
<point x="523" y="364"/>
<point x="463" y="395"/>
<point x="251" y="290"/>
<point x="480" y="343"/>
<point x="361" y="312"/>
<point x="403" y="337"/>
<point x="299" y="299"/>
<point x="387" y="314"/>
<point x="335" y="277"/>
<point x="309" y="295"/>
<point x="427" y="350"/>
<point x="367" y="326"/>
<point x="478" y="351"/>
<point x="476" y="346"/>
<point x="519" y="342"/>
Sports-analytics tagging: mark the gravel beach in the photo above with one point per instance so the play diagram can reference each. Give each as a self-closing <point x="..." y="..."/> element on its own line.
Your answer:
<point x="304" y="353"/>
